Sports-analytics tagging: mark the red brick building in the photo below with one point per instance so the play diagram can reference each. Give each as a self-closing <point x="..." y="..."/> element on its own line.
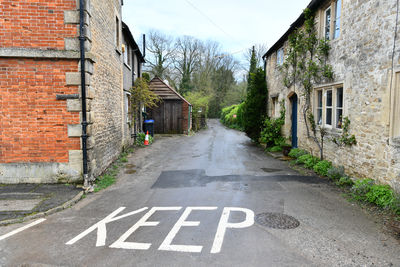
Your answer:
<point x="40" y="89"/>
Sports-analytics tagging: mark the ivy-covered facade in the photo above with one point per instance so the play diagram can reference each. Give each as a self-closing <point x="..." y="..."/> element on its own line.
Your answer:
<point x="355" y="101"/>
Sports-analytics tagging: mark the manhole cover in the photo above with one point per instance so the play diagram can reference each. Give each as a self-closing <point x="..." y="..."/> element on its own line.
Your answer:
<point x="270" y="170"/>
<point x="276" y="220"/>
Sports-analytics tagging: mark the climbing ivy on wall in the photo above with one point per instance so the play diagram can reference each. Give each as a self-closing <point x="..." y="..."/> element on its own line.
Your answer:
<point x="306" y="65"/>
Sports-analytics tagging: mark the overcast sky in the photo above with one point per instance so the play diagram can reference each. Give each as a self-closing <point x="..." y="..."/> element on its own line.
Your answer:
<point x="235" y="24"/>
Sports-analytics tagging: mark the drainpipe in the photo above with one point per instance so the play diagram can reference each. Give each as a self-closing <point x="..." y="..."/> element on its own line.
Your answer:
<point x="83" y="92"/>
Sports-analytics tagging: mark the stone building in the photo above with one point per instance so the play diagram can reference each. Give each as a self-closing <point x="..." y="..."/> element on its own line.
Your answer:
<point x="133" y="60"/>
<point x="366" y="87"/>
<point x="41" y="131"/>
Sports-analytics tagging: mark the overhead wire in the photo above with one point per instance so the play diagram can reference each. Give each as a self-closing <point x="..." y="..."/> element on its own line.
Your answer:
<point x="216" y="25"/>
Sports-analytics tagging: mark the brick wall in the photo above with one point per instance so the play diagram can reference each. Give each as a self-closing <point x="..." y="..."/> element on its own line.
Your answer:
<point x="185" y="115"/>
<point x="35" y="24"/>
<point x="33" y="123"/>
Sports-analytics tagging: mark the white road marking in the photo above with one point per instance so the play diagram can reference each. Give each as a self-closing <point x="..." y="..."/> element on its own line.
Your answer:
<point x="120" y="243"/>
<point x="166" y="244"/>
<point x="224" y="224"/>
<point x="16" y="231"/>
<point x="101" y="227"/>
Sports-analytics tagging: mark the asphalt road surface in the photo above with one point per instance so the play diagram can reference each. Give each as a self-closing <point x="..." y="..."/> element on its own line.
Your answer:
<point x="212" y="199"/>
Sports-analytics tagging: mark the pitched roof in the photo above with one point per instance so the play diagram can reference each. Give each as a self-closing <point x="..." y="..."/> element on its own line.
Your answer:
<point x="313" y="5"/>
<point x="163" y="90"/>
<point x="128" y="34"/>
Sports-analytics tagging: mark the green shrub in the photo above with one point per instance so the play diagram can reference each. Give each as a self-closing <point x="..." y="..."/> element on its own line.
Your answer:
<point x="296" y="153"/>
<point x="308" y="160"/>
<point x="344" y="181"/>
<point x="381" y="195"/>
<point x="361" y="188"/>
<point x="311" y="162"/>
<point x="275" y="149"/>
<point x="271" y="133"/>
<point x="322" y="167"/>
<point x="302" y="159"/>
<point x="335" y="173"/>
<point x="232" y="116"/>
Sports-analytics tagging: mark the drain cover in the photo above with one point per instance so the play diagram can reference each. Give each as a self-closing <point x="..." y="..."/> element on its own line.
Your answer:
<point x="276" y="220"/>
<point x="270" y="170"/>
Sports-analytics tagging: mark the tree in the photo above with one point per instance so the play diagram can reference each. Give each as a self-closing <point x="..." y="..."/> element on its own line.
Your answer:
<point x="162" y="50"/>
<point x="186" y="61"/>
<point x="255" y="105"/>
<point x="142" y="95"/>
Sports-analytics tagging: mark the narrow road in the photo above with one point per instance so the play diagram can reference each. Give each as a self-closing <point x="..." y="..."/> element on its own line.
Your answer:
<point x="212" y="199"/>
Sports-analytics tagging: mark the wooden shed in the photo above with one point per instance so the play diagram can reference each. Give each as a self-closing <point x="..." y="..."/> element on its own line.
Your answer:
<point x="172" y="116"/>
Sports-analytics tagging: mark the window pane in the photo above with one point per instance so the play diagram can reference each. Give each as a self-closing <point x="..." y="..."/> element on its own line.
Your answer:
<point x="339" y="97"/>
<point x="337" y="18"/>
<point x="328" y="23"/>
<point x="329" y="116"/>
<point x="339" y="114"/>
<point x="329" y="98"/>
<point x="320" y="99"/>
<point x="319" y="116"/>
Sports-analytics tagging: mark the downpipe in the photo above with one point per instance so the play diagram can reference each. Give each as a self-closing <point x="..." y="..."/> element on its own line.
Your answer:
<point x="86" y="182"/>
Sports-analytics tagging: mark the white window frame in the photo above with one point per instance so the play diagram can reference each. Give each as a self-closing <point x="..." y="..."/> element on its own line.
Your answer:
<point x="333" y="107"/>
<point x="127" y="107"/>
<point x="127" y="55"/>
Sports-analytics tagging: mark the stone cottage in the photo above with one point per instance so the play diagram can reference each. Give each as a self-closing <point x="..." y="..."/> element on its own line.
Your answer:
<point x="47" y="133"/>
<point x="133" y="60"/>
<point x="364" y="54"/>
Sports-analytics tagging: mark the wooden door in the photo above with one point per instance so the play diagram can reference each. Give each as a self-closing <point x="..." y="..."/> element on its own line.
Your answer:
<point x="167" y="117"/>
<point x="172" y="116"/>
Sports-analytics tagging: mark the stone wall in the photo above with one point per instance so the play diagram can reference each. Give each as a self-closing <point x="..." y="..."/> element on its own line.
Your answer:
<point x="108" y="103"/>
<point x="361" y="60"/>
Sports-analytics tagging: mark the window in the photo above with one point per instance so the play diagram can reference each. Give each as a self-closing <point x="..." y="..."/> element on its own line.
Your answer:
<point x="329" y="107"/>
<point x="338" y="7"/>
<point x="395" y="110"/>
<point x="327" y="23"/>
<point x="128" y="107"/>
<point x="319" y="107"/>
<point x="339" y="107"/>
<point x="274" y="110"/>
<point x="127" y="55"/>
<point x="279" y="56"/>
<point x="117" y="42"/>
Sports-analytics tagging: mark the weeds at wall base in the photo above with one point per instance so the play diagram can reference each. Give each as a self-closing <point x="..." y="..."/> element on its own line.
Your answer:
<point x="363" y="190"/>
<point x="110" y="175"/>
